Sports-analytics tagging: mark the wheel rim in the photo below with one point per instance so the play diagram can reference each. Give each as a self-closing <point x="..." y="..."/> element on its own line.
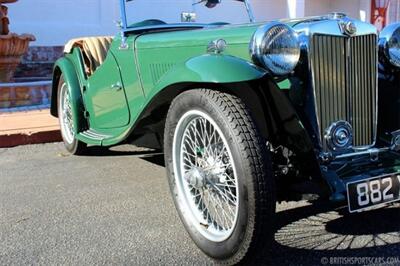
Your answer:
<point x="205" y="175"/>
<point x="66" y="121"/>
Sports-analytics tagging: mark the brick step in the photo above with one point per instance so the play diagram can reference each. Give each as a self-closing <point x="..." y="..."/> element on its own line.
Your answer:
<point x="32" y="127"/>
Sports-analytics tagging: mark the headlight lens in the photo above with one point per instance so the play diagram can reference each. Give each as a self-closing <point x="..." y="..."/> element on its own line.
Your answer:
<point x="276" y="47"/>
<point x="389" y="42"/>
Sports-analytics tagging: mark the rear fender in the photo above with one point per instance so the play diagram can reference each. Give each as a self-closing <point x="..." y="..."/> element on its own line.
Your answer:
<point x="65" y="67"/>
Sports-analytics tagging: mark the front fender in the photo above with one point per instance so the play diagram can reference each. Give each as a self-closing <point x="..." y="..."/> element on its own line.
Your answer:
<point x="65" y="67"/>
<point x="213" y="68"/>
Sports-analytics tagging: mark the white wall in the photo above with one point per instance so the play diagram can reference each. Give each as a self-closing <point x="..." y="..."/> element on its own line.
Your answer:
<point x="54" y="22"/>
<point x="352" y="8"/>
<point x="270" y="9"/>
<point x="295" y="8"/>
<point x="316" y="7"/>
<point x="394" y="11"/>
<point x="345" y="7"/>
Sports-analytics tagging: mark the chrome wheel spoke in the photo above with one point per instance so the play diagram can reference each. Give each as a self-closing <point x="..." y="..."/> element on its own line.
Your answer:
<point x="66" y="118"/>
<point x="206" y="174"/>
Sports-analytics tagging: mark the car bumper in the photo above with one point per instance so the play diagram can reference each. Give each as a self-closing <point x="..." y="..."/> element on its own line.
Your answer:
<point x="363" y="166"/>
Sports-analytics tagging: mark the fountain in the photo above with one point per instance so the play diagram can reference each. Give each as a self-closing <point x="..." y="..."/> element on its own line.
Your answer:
<point x="13" y="92"/>
<point x="12" y="46"/>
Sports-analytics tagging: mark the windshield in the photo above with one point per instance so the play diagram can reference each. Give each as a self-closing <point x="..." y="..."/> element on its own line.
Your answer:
<point x="186" y="11"/>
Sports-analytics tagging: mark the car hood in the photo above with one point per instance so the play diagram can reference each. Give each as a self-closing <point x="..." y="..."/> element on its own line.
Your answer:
<point x="232" y="34"/>
<point x="237" y="34"/>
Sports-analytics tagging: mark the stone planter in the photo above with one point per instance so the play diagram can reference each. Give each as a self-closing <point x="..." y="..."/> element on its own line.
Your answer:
<point x="12" y="47"/>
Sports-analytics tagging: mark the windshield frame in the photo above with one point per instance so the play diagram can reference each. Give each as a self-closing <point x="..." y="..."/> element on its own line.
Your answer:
<point x="124" y="20"/>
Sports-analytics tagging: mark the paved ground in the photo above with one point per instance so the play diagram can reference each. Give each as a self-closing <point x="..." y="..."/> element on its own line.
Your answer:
<point x="115" y="208"/>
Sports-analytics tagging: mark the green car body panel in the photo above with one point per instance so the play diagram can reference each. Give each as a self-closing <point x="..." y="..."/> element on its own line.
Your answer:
<point x="106" y="105"/>
<point x="151" y="63"/>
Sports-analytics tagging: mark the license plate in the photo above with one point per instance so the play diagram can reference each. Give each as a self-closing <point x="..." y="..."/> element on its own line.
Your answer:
<point x="372" y="192"/>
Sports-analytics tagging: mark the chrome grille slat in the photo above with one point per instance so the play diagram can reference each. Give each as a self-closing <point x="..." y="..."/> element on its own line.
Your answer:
<point x="344" y="77"/>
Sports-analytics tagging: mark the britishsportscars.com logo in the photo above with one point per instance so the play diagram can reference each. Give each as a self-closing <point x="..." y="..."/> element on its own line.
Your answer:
<point x="360" y="261"/>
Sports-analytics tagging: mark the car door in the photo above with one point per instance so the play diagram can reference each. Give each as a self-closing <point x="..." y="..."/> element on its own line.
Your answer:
<point x="105" y="98"/>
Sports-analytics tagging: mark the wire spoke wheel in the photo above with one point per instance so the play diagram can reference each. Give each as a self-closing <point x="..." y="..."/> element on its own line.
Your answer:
<point x="66" y="119"/>
<point x="220" y="175"/>
<point x="206" y="175"/>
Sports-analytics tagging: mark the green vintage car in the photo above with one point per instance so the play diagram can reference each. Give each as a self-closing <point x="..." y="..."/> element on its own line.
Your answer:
<point x="246" y="114"/>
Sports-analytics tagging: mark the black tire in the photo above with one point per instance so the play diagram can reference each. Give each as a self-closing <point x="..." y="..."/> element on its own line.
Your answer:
<point x="254" y="227"/>
<point x="74" y="146"/>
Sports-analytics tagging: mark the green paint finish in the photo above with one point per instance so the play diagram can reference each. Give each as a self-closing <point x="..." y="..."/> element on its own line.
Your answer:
<point x="68" y="69"/>
<point x="77" y="60"/>
<point x="188" y="39"/>
<point x="208" y="68"/>
<point x="151" y="63"/>
<point x="126" y="59"/>
<point x="232" y="34"/>
<point x="181" y="56"/>
<point x="105" y="97"/>
<point x="284" y="84"/>
<point x="72" y="68"/>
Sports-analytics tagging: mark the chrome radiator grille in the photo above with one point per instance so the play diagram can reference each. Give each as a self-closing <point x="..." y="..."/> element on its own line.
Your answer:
<point x="345" y="83"/>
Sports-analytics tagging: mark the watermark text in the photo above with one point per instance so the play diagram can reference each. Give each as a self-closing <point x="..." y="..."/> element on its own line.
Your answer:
<point x="360" y="261"/>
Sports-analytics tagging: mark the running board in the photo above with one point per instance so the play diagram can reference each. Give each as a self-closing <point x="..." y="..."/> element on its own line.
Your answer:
<point x="92" y="137"/>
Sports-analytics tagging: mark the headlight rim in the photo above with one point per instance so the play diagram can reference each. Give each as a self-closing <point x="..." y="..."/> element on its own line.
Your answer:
<point x="384" y="38"/>
<point x="256" y="45"/>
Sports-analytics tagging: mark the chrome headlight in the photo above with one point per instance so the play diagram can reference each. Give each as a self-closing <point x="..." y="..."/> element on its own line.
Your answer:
<point x="389" y="43"/>
<point x="275" y="46"/>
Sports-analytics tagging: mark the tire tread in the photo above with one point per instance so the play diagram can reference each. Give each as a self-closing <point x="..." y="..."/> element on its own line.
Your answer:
<point x="255" y="150"/>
